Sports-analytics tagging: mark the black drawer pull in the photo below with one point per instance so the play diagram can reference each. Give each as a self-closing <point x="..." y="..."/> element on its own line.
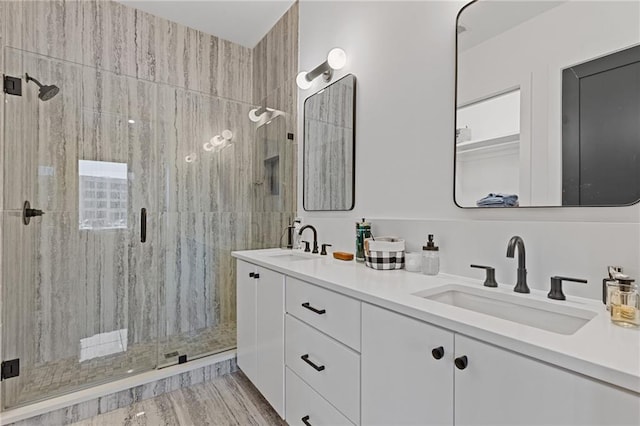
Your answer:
<point x="306" y="359"/>
<point x="461" y="362"/>
<point x="252" y="274"/>
<point x="256" y="275"/>
<point x="311" y="308"/>
<point x="438" y="352"/>
<point x="305" y="420"/>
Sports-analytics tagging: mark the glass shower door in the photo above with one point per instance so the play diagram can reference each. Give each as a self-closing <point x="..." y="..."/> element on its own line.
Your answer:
<point x="205" y="215"/>
<point x="79" y="294"/>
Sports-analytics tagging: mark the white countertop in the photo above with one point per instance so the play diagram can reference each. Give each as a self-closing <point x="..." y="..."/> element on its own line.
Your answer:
<point x="600" y="349"/>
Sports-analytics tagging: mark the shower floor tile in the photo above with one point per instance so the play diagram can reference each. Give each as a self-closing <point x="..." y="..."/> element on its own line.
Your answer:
<point x="228" y="400"/>
<point x="67" y="375"/>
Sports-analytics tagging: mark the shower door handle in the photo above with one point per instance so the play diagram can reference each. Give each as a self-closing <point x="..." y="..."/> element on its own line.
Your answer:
<point x="143" y="225"/>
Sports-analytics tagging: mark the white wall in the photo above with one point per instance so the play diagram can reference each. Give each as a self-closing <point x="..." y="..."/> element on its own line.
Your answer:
<point x="403" y="57"/>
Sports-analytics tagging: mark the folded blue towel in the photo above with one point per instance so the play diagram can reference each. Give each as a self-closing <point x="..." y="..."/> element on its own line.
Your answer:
<point x="498" y="200"/>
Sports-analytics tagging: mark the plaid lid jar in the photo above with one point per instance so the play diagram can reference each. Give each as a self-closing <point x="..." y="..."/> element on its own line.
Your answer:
<point x="384" y="253"/>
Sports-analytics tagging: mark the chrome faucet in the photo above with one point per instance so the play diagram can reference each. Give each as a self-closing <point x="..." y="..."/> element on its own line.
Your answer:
<point x="315" y="237"/>
<point x="521" y="284"/>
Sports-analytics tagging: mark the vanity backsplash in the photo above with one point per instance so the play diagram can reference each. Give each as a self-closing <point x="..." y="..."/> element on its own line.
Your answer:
<point x="575" y="249"/>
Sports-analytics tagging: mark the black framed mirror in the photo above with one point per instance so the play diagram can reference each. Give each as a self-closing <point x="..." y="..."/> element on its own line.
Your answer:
<point x="547" y="104"/>
<point x="329" y="147"/>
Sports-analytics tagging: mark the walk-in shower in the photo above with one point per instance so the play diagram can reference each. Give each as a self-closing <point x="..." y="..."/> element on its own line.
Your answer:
<point x="85" y="299"/>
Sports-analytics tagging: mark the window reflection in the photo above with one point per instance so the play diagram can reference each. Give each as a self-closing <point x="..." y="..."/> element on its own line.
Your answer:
<point x="103" y="195"/>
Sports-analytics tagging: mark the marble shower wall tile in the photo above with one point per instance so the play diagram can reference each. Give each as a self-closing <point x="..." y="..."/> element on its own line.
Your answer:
<point x="275" y="57"/>
<point x="199" y="289"/>
<point x="213" y="181"/>
<point x="108" y="36"/>
<point x="267" y="229"/>
<point x="60" y="320"/>
<point x="50" y="28"/>
<point x="190" y="299"/>
<point x="234" y="71"/>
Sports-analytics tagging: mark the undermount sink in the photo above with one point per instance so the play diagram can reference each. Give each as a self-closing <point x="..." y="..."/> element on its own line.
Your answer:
<point x="292" y="256"/>
<point x="534" y="313"/>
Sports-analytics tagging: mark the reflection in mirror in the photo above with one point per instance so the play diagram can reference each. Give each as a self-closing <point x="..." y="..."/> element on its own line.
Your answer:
<point x="329" y="144"/>
<point x="546" y="116"/>
<point x="102" y="195"/>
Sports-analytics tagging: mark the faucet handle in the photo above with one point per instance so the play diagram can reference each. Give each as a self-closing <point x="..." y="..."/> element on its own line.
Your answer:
<point x="556" y="286"/>
<point x="490" y="280"/>
<point x="323" y="252"/>
<point x="307" y="247"/>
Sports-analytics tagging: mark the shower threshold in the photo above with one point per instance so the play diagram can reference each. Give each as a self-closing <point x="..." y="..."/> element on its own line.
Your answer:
<point x="88" y="400"/>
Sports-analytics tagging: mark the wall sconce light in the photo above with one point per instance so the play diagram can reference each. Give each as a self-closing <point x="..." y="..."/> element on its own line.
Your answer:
<point x="218" y="141"/>
<point x="256" y="114"/>
<point x="336" y="59"/>
<point x="263" y="115"/>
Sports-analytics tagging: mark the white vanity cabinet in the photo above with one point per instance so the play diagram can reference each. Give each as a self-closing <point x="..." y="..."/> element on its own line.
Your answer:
<point x="322" y="356"/>
<point x="260" y="330"/>
<point x="403" y="383"/>
<point x="499" y="387"/>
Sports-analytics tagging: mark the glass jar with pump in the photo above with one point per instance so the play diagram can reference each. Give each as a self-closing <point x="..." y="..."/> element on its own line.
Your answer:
<point x="625" y="306"/>
<point x="430" y="257"/>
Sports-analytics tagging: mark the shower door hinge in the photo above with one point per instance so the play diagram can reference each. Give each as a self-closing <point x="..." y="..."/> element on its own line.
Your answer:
<point x="12" y="85"/>
<point x="10" y="369"/>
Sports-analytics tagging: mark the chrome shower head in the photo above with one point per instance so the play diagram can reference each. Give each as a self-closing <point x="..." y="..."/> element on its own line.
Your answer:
<point x="46" y="92"/>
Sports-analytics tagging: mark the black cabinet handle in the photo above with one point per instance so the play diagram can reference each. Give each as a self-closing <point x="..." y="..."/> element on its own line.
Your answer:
<point x="256" y="275"/>
<point x="461" y="362"/>
<point x="305" y="420"/>
<point x="252" y="274"/>
<point x="438" y="352"/>
<point x="143" y="225"/>
<point x="306" y="359"/>
<point x="312" y="309"/>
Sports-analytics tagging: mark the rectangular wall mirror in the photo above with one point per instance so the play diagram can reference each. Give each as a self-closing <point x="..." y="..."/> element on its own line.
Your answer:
<point x="329" y="147"/>
<point x="548" y="104"/>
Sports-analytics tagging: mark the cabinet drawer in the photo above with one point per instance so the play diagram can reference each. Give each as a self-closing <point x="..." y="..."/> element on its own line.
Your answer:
<point x="330" y="368"/>
<point x="305" y="403"/>
<point x="332" y="313"/>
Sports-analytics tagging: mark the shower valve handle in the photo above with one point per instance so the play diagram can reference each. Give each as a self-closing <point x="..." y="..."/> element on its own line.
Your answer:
<point x="28" y="213"/>
<point x="33" y="212"/>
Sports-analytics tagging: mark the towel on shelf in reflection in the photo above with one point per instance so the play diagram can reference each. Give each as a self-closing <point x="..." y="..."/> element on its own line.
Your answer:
<point x="498" y="200"/>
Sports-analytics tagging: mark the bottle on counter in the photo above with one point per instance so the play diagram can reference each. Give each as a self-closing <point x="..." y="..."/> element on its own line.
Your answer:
<point x="430" y="257"/>
<point x="363" y="231"/>
<point x="297" y="225"/>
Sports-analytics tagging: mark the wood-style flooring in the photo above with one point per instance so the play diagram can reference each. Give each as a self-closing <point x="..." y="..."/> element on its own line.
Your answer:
<point x="227" y="400"/>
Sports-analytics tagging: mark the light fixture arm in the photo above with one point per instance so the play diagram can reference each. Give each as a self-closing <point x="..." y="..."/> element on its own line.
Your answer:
<point x="260" y="110"/>
<point x="323" y="69"/>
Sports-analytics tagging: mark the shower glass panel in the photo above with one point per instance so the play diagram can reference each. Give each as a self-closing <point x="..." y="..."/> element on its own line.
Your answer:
<point x="79" y="289"/>
<point x="206" y="214"/>
<point x="84" y="300"/>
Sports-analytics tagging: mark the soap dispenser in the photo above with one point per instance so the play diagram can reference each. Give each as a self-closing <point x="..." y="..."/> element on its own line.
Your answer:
<point x="430" y="257"/>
